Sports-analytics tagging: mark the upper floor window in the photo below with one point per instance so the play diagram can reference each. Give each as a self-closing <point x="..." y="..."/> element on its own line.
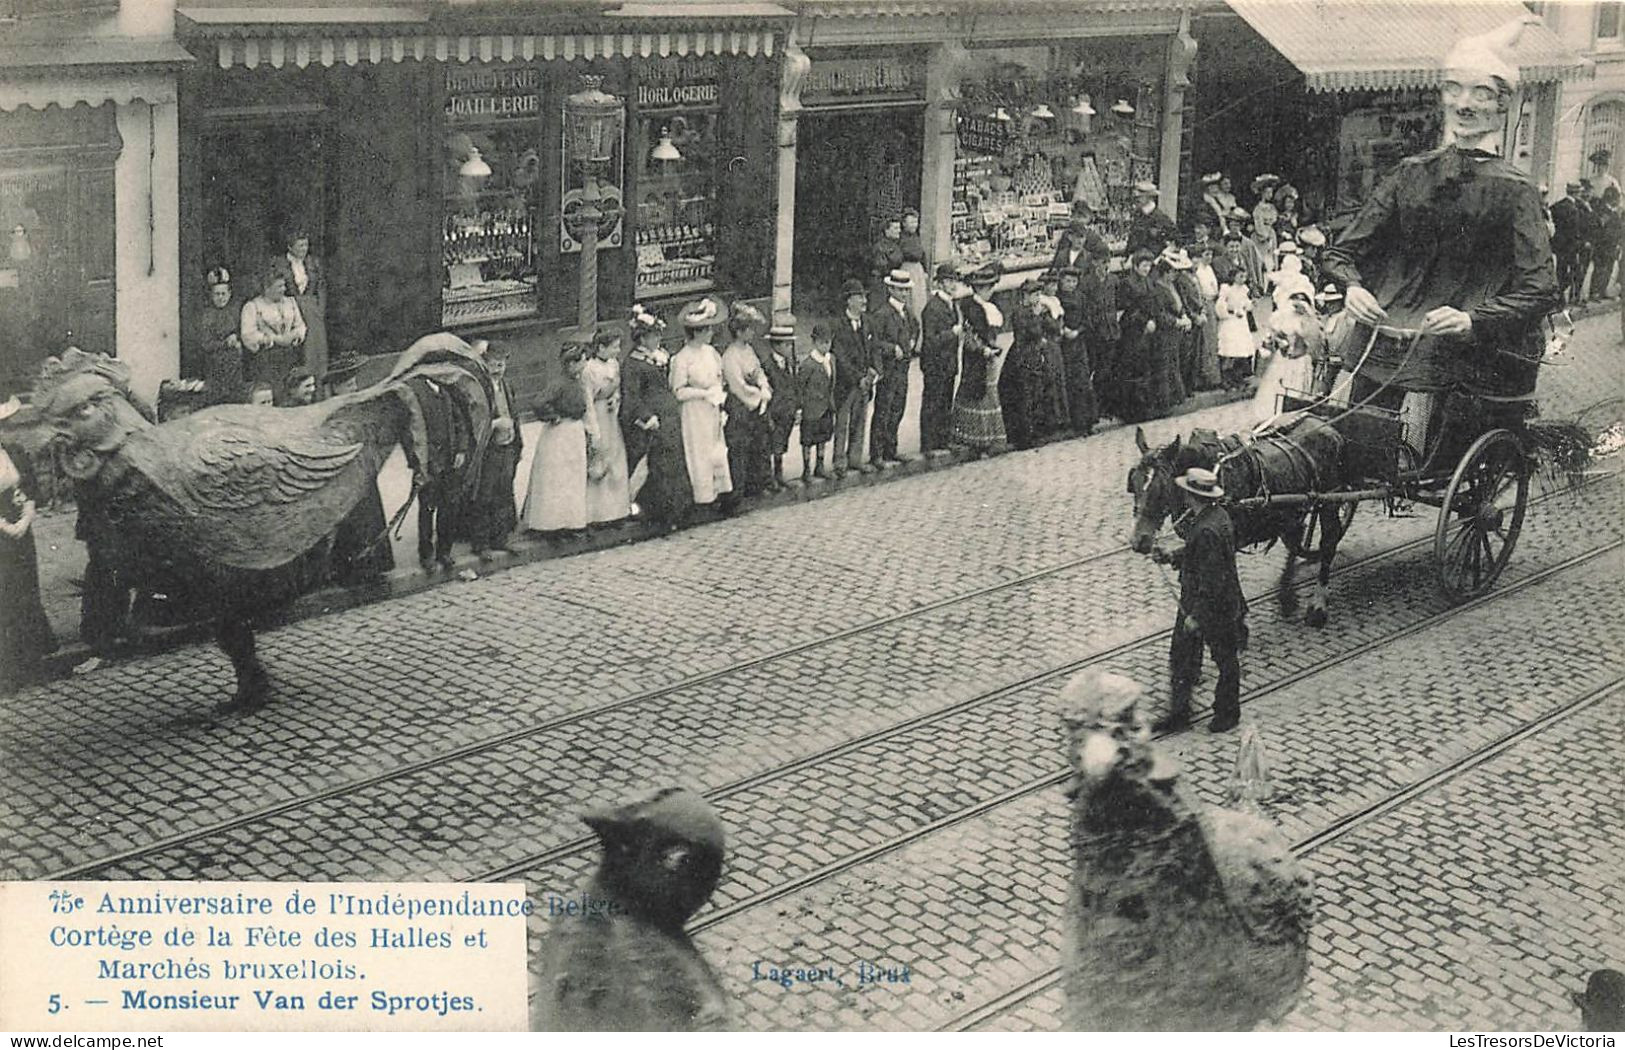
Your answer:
<point x="1608" y="19"/>
<point x="14" y="9"/>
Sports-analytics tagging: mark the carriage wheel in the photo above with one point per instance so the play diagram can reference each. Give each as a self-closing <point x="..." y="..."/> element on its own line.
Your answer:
<point x="1307" y="545"/>
<point x="1481" y="515"/>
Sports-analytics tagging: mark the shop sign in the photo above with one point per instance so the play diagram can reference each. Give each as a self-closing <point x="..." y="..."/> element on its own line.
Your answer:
<point x="679" y="82"/>
<point x="834" y="81"/>
<point x="483" y="93"/>
<point x="986" y="135"/>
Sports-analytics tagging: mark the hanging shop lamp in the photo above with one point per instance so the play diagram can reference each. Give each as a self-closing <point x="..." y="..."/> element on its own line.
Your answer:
<point x="1082" y="108"/>
<point x="1000" y="114"/>
<point x="474" y="167"/>
<point x="1043" y="112"/>
<point x="1122" y="108"/>
<point x="665" y="149"/>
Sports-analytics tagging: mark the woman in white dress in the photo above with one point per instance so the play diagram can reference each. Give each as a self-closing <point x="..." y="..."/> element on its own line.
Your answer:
<point x="1235" y="337"/>
<point x="696" y="379"/>
<point x="1293" y="348"/>
<point x="608" y="491"/>
<point x="556" y="500"/>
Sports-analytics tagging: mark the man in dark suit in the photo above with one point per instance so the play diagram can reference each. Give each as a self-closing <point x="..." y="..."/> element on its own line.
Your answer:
<point x="1566" y="237"/>
<point x="492" y="514"/>
<point x="894" y="339"/>
<point x="854" y="379"/>
<point x="1212" y="609"/>
<point x="1151" y="228"/>
<point x="940" y="333"/>
<point x="1587" y="230"/>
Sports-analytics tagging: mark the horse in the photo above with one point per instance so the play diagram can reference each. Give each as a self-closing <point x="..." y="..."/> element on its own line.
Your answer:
<point x="1302" y="458"/>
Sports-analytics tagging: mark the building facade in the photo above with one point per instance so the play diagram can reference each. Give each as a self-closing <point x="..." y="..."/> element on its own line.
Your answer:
<point x="1591" y="112"/>
<point x="88" y="185"/>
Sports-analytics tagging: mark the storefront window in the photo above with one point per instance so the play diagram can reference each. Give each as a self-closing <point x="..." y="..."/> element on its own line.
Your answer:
<point x="1376" y="134"/>
<point x="675" y="147"/>
<point x="492" y="175"/>
<point x="1045" y="134"/>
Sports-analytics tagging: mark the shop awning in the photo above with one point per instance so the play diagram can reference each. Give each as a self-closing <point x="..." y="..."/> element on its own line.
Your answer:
<point x="73" y="60"/>
<point x="281" y="36"/>
<point x="1357" y="45"/>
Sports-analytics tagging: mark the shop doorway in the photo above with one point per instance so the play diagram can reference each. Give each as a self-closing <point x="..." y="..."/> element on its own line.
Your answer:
<point x="259" y="182"/>
<point x="853" y="170"/>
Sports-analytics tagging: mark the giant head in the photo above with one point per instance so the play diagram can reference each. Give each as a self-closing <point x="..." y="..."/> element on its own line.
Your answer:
<point x="1479" y="79"/>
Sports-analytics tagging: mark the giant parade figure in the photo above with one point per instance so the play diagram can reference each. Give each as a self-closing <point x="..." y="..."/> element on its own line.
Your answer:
<point x="235" y="507"/>
<point x="1449" y="269"/>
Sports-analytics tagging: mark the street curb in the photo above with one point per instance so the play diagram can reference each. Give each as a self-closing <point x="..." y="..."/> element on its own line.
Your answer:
<point x="405" y="582"/>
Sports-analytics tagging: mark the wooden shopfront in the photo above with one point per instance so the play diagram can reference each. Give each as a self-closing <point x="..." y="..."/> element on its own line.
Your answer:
<point x="436" y="187"/>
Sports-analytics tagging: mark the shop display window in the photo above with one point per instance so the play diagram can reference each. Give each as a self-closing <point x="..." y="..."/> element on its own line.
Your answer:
<point x="676" y="202"/>
<point x="492" y="175"/>
<point x="1045" y="133"/>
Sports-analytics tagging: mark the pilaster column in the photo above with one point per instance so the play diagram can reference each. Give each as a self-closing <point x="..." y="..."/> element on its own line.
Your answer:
<point x="943" y="70"/>
<point x="1176" y="80"/>
<point x="796" y="65"/>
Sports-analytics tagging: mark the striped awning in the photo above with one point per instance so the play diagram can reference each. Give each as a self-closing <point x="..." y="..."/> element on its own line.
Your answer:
<point x="1360" y="45"/>
<point x="328" y="37"/>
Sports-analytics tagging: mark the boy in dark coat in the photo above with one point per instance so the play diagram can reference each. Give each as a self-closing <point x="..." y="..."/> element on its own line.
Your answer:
<point x="1212" y="609"/>
<point x="815" y="392"/>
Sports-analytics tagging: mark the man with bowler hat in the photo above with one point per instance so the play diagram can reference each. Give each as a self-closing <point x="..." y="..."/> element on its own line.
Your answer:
<point x="855" y="376"/>
<point x="1212" y="610"/>
<point x="941" y="335"/>
<point x="894" y="336"/>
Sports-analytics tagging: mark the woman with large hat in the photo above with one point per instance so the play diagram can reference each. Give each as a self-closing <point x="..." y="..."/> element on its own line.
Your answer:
<point x="978" y="420"/>
<point x="556" y="499"/>
<point x="652" y="425"/>
<point x="696" y="379"/>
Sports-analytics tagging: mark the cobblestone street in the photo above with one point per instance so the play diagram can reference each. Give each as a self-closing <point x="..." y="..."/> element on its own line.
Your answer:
<point x="864" y="686"/>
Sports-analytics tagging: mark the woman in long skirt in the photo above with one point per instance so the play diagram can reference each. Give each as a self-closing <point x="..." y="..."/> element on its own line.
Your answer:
<point x="608" y="498"/>
<point x="1172" y="336"/>
<point x="978" y="419"/>
<point x="1133" y="368"/>
<point x="556" y="500"/>
<point x="652" y="425"/>
<point x="1207" y="321"/>
<point x="25" y="634"/>
<point x="696" y="379"/>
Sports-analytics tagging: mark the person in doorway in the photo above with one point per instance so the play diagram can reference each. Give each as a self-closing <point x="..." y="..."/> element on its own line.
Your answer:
<point x="894" y="341"/>
<point x="652" y="427"/>
<point x="1151" y="229"/>
<point x="749" y="398"/>
<point x="608" y="499"/>
<point x="1212" y="610"/>
<point x="887" y="255"/>
<point x="556" y="499"/>
<point x="855" y="376"/>
<point x="696" y="380"/>
<point x="302" y="273"/>
<point x="914" y="261"/>
<point x="220" y="342"/>
<point x="779" y="365"/>
<point x="815" y="390"/>
<point x="492" y="515"/>
<point x="271" y="329"/>
<point x="1477" y="296"/>
<point x="941" y="335"/>
<point x="978" y="419"/>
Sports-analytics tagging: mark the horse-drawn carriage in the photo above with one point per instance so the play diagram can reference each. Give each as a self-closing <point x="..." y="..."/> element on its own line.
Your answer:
<point x="1300" y="479"/>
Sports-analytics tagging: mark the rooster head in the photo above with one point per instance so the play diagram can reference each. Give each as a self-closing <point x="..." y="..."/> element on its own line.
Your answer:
<point x="1108" y="737"/>
<point x="83" y="404"/>
<point x="662" y="854"/>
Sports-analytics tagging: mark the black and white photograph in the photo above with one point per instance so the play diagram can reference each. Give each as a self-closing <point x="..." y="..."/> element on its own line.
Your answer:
<point x="818" y="516"/>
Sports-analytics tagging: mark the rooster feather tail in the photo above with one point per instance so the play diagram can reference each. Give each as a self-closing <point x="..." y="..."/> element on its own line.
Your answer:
<point x="1561" y="448"/>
